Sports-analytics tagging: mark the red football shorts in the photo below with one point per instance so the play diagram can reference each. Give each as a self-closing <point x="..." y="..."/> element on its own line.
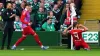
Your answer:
<point x="28" y="30"/>
<point x="79" y="44"/>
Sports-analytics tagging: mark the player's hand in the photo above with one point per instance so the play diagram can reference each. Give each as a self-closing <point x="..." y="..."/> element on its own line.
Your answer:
<point x="64" y="32"/>
<point x="80" y="25"/>
<point x="30" y="23"/>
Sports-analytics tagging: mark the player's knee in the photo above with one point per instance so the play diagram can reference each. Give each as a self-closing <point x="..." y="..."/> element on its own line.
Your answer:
<point x="24" y="36"/>
<point x="35" y="34"/>
<point x="77" y="47"/>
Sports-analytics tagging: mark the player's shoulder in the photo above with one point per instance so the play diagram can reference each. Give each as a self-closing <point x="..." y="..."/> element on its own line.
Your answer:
<point x="24" y="12"/>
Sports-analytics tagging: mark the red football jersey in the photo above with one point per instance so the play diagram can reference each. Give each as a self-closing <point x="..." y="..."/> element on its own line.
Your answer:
<point x="77" y="34"/>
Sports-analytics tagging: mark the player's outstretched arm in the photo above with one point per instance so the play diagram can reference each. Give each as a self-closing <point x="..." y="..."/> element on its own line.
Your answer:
<point x="66" y="30"/>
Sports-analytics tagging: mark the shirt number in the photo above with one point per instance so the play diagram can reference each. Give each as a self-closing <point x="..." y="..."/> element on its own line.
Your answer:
<point x="76" y="35"/>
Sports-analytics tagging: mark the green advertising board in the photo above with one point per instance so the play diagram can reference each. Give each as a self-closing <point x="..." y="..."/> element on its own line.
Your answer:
<point x="46" y="37"/>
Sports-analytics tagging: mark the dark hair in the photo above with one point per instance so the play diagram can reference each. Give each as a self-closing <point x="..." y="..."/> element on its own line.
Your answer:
<point x="9" y="2"/>
<point x="1" y="2"/>
<point x="45" y="20"/>
<point x="74" y="24"/>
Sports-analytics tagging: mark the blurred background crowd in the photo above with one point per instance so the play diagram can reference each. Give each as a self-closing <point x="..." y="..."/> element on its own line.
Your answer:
<point x="46" y="15"/>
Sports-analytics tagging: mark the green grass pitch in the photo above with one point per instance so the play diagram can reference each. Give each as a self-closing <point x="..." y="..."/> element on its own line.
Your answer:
<point x="52" y="51"/>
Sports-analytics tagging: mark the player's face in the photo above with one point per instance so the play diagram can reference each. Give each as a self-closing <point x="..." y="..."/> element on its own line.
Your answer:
<point x="30" y="9"/>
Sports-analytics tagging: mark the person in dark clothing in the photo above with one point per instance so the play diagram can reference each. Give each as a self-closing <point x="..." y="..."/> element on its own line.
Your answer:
<point x="35" y="8"/>
<point x="65" y="22"/>
<point x="8" y="18"/>
<point x="78" y="5"/>
<point x="16" y="10"/>
<point x="57" y="13"/>
<point x="39" y="17"/>
<point x="2" y="9"/>
<point x="4" y="2"/>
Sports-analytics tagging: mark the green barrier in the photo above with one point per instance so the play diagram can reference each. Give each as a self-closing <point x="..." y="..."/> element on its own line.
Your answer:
<point x="47" y="38"/>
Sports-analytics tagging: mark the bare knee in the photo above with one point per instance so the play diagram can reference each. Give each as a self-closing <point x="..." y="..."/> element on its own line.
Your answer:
<point x="24" y="36"/>
<point x="35" y="34"/>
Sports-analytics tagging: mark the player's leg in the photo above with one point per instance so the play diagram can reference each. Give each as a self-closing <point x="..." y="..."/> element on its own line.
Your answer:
<point x="24" y="34"/>
<point x="19" y="41"/>
<point x="36" y="37"/>
<point x="85" y="46"/>
<point x="77" y="45"/>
